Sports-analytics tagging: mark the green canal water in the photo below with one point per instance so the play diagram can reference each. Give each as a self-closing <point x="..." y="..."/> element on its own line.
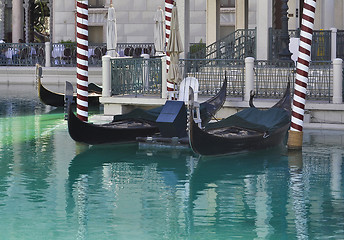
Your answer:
<point x="52" y="188"/>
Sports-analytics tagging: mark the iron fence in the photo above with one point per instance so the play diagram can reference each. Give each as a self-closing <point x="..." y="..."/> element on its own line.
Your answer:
<point x="211" y="73"/>
<point x="275" y="39"/>
<point x="22" y="54"/>
<point x="64" y="54"/>
<point x="271" y="78"/>
<point x="320" y="81"/>
<point x="135" y="49"/>
<point x="321" y="43"/>
<point x="136" y="76"/>
<point x="340" y="44"/>
<point x="237" y="45"/>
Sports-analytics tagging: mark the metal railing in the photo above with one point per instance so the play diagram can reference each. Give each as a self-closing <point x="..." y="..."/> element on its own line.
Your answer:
<point x="64" y="54"/>
<point x="340" y="44"/>
<point x="135" y="76"/>
<point x="320" y="81"/>
<point x="274" y="41"/>
<point x="22" y="54"/>
<point x="211" y="73"/>
<point x="237" y="45"/>
<point x="321" y="43"/>
<point x="135" y="49"/>
<point x="271" y="78"/>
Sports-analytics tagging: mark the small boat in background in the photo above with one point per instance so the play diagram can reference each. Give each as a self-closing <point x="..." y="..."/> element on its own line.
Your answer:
<point x="57" y="99"/>
<point x="247" y="130"/>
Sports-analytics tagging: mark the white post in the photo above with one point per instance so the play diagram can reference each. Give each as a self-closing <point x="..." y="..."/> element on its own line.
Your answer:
<point x="337" y="80"/>
<point x="47" y="54"/>
<point x="333" y="43"/>
<point x="163" y="78"/>
<point x="106" y="76"/>
<point x="328" y="11"/>
<point x="240" y="14"/>
<point x="249" y="77"/>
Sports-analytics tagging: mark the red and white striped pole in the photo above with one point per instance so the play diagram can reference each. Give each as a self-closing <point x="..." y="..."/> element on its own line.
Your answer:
<point x="168" y="15"/>
<point x="302" y="67"/>
<point x="82" y="59"/>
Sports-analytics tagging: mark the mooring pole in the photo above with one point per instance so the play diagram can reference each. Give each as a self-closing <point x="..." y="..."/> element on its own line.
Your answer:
<point x="82" y="59"/>
<point x="168" y="15"/>
<point x="298" y="109"/>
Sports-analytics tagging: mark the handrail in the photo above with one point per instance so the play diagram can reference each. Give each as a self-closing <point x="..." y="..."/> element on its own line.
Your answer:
<point x="237" y="45"/>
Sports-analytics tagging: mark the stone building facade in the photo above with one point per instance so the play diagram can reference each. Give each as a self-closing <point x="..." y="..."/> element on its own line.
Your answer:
<point x="206" y="20"/>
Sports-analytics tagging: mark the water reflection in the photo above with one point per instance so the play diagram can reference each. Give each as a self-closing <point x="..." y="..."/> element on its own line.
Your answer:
<point x="139" y="184"/>
<point x="50" y="185"/>
<point x="265" y="195"/>
<point x="26" y="148"/>
<point x="20" y="100"/>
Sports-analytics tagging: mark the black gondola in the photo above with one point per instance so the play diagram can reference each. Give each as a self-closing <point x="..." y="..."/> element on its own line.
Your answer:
<point x="247" y="130"/>
<point x="57" y="99"/>
<point x="137" y="123"/>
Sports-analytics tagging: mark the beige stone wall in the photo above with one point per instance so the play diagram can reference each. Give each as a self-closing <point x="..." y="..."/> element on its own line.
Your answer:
<point x="64" y="20"/>
<point x="134" y="20"/>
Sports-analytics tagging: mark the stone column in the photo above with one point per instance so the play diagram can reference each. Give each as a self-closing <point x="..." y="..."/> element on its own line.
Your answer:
<point x="183" y="7"/>
<point x="333" y="43"/>
<point x="2" y="19"/>
<point x="328" y="14"/>
<point x="241" y="14"/>
<point x="213" y="21"/>
<point x="17" y="20"/>
<point x="264" y="22"/>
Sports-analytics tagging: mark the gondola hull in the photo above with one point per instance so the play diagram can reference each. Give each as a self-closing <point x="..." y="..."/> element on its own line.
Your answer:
<point x="57" y="99"/>
<point x="207" y="144"/>
<point x="115" y="132"/>
<point x="248" y="130"/>
<point x="106" y="133"/>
